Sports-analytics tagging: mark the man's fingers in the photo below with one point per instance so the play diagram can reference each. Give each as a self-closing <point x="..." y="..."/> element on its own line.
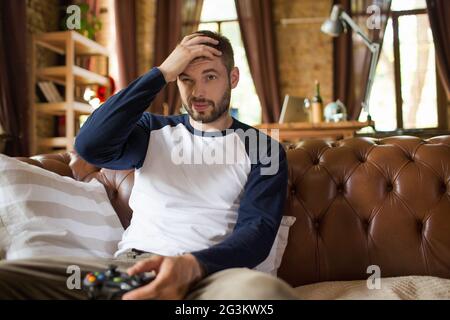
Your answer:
<point x="149" y="291"/>
<point x="189" y="37"/>
<point x="191" y="47"/>
<point x="203" y="49"/>
<point x="200" y="40"/>
<point x="146" y="265"/>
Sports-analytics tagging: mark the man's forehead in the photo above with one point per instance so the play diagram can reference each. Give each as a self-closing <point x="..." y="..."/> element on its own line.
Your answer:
<point x="204" y="63"/>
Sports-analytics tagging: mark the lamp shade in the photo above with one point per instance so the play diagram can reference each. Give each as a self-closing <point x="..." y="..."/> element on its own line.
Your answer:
<point x="333" y="26"/>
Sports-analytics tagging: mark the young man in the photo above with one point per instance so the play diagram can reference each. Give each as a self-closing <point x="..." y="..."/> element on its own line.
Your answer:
<point x="209" y="190"/>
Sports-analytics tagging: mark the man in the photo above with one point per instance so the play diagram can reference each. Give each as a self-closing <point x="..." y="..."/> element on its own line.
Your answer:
<point x="200" y="223"/>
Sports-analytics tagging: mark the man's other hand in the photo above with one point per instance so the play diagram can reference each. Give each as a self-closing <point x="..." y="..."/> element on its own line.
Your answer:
<point x="191" y="47"/>
<point x="174" y="277"/>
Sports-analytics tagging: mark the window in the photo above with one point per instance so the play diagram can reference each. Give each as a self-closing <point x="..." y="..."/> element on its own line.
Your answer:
<point x="221" y="16"/>
<point x="404" y="93"/>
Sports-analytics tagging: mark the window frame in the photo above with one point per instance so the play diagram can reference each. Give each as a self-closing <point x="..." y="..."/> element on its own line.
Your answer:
<point x="440" y="103"/>
<point x="219" y="22"/>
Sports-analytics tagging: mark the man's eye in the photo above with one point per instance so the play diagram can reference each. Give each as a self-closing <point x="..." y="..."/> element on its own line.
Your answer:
<point x="212" y="77"/>
<point x="186" y="80"/>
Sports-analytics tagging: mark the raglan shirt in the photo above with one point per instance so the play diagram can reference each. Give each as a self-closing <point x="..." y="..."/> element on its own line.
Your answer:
<point x="218" y="195"/>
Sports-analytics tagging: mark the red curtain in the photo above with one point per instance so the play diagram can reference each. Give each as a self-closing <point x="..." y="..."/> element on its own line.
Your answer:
<point x="14" y="104"/>
<point x="125" y="12"/>
<point x="168" y="35"/>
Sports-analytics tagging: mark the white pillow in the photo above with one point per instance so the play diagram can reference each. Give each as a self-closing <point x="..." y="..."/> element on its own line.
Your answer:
<point x="45" y="214"/>
<point x="273" y="260"/>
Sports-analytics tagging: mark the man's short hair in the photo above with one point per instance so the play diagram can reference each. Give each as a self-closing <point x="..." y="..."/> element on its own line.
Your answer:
<point x="224" y="46"/>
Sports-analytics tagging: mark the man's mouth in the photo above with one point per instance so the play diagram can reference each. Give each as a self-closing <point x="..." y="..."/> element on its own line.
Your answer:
<point x="200" y="106"/>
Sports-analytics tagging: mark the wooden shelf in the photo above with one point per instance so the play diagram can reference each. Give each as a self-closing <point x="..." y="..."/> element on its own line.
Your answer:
<point x="72" y="45"/>
<point x="82" y="76"/>
<point x="60" y="108"/>
<point x="56" y="42"/>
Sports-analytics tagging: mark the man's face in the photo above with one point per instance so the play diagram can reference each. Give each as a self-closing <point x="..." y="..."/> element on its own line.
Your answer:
<point x="205" y="88"/>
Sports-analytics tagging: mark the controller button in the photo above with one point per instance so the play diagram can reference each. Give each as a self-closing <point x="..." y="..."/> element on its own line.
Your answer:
<point x="91" y="278"/>
<point x="135" y="283"/>
<point x="117" y="279"/>
<point x="125" y="286"/>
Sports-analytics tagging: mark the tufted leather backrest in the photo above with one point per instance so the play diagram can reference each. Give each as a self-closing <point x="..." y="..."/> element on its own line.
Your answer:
<point x="358" y="202"/>
<point x="365" y="201"/>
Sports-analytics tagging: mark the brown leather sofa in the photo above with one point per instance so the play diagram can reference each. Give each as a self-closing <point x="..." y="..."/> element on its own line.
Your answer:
<point x="358" y="202"/>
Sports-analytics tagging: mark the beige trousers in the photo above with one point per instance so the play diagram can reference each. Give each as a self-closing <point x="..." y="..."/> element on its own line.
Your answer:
<point x="50" y="278"/>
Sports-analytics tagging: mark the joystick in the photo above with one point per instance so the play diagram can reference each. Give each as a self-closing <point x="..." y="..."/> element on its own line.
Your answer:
<point x="112" y="284"/>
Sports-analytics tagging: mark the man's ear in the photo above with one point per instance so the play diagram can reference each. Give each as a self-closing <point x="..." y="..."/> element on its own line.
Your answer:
<point x="234" y="77"/>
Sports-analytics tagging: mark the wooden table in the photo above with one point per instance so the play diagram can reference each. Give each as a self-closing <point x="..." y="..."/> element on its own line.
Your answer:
<point x="295" y="131"/>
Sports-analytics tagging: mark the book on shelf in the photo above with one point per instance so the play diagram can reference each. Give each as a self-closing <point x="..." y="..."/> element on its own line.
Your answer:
<point x="55" y="93"/>
<point x="44" y="95"/>
<point x="48" y="92"/>
<point x="41" y="97"/>
<point x="83" y="62"/>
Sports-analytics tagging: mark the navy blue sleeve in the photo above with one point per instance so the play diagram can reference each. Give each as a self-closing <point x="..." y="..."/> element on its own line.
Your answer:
<point x="116" y="135"/>
<point x="259" y="217"/>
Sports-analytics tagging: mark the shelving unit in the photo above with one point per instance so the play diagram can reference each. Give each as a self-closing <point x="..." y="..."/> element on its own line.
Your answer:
<point x="71" y="45"/>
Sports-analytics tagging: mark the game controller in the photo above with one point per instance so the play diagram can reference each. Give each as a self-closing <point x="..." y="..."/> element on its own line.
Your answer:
<point x="112" y="284"/>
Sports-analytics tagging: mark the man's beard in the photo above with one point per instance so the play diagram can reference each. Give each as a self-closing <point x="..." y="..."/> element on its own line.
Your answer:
<point x="213" y="112"/>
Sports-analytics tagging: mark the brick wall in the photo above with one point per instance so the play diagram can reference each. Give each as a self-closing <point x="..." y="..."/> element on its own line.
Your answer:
<point x="304" y="52"/>
<point x="103" y="36"/>
<point x="146" y="17"/>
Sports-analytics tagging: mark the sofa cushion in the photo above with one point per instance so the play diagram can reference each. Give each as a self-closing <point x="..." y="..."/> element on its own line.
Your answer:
<point x="394" y="288"/>
<point x="43" y="213"/>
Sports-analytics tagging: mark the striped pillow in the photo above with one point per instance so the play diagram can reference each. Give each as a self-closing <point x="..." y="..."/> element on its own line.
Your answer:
<point x="45" y="214"/>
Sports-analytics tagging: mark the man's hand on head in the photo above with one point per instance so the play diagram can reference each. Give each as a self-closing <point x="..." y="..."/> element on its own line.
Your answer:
<point x="174" y="277"/>
<point x="191" y="47"/>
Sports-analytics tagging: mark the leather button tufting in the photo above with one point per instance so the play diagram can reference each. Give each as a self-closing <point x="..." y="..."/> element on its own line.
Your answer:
<point x="420" y="226"/>
<point x="317" y="224"/>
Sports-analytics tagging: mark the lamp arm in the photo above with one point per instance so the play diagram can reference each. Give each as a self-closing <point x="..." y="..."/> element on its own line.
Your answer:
<point x="371" y="78"/>
<point x="374" y="49"/>
<point x="356" y="28"/>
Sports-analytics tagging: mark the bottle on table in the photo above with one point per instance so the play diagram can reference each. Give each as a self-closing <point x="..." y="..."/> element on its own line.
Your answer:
<point x="317" y="105"/>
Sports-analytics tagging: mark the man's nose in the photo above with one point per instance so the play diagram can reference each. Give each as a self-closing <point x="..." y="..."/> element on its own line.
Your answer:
<point x="198" y="91"/>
